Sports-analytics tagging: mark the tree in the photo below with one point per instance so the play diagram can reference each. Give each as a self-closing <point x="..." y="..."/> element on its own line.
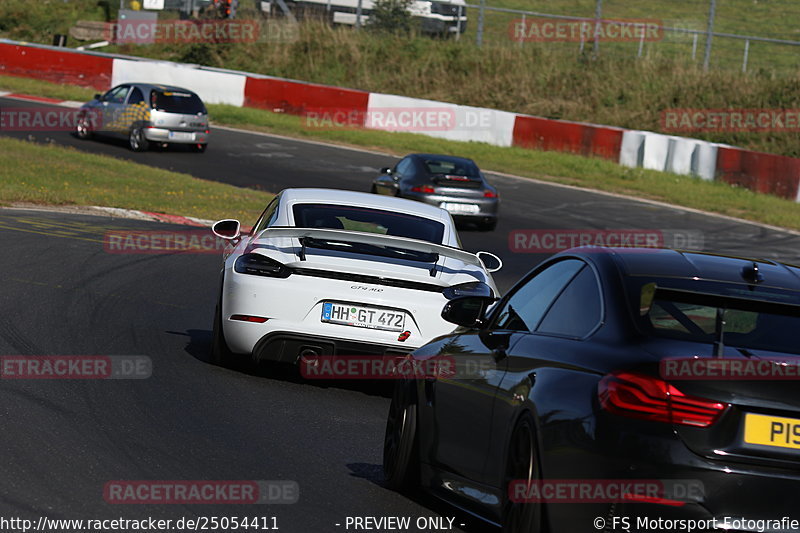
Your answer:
<point x="390" y="16"/>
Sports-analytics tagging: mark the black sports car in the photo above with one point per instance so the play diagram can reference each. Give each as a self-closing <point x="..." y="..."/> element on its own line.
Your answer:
<point x="452" y="183"/>
<point x="606" y="365"/>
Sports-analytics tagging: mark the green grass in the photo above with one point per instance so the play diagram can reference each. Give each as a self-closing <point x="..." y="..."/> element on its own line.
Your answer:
<point x="54" y="175"/>
<point x="555" y="167"/>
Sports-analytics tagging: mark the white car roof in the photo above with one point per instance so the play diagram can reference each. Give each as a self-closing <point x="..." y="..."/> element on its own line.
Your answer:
<point x="373" y="201"/>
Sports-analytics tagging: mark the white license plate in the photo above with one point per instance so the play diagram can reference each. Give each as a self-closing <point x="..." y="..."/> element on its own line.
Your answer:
<point x="363" y="317"/>
<point x="459" y="208"/>
<point x="181" y="136"/>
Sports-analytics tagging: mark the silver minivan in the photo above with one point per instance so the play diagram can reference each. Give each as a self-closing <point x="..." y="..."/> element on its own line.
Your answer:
<point x="146" y="113"/>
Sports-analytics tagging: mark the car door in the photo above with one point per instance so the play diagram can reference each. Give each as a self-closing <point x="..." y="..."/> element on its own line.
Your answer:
<point x="463" y="405"/>
<point x="401" y="172"/>
<point x="548" y="356"/>
<point x="136" y="110"/>
<point x="113" y="107"/>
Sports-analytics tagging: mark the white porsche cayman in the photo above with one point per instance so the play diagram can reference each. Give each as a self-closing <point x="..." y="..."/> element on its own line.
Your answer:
<point x="332" y="272"/>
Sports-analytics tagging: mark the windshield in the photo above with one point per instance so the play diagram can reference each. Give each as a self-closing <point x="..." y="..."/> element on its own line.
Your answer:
<point x="367" y="220"/>
<point x="177" y="102"/>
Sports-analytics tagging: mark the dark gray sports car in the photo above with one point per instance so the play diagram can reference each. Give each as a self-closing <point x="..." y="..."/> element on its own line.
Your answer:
<point x="452" y="183"/>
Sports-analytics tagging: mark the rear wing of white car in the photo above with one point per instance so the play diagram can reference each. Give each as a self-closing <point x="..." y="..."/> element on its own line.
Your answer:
<point x="376" y="239"/>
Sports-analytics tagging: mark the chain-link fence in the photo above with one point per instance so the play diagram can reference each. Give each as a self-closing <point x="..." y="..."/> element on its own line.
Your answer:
<point x="716" y="33"/>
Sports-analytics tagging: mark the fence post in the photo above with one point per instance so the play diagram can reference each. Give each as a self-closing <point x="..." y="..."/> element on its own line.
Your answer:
<point x="694" y="47"/>
<point x="358" y="13"/>
<point x="598" y="13"/>
<point x="479" y="33"/>
<point x="458" y="24"/>
<point x="524" y="25"/>
<point x="709" y="34"/>
<point x="641" y="41"/>
<point x="746" y="54"/>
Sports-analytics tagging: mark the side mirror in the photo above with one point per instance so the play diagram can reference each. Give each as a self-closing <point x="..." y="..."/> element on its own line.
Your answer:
<point x="98" y="96"/>
<point x="490" y="261"/>
<point x="386" y="170"/>
<point x="467" y="311"/>
<point x="227" y="229"/>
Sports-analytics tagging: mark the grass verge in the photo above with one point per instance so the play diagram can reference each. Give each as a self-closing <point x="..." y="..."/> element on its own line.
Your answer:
<point x="548" y="166"/>
<point x="56" y="175"/>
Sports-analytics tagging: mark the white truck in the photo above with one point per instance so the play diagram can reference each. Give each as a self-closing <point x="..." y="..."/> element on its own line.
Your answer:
<point x="436" y="17"/>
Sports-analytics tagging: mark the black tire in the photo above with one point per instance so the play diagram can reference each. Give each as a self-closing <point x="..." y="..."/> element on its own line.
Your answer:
<point x="401" y="442"/>
<point x="522" y="466"/>
<point x="137" y="141"/>
<point x="221" y="355"/>
<point x="199" y="148"/>
<point x="83" y="128"/>
<point x="373" y="190"/>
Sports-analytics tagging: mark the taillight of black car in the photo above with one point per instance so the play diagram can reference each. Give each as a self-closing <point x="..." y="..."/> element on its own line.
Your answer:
<point x="259" y="265"/>
<point x="638" y="395"/>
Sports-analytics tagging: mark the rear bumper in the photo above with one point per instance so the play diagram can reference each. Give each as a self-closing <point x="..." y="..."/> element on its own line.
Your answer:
<point x="487" y="207"/>
<point x="726" y="495"/>
<point x="163" y="135"/>
<point x="288" y="347"/>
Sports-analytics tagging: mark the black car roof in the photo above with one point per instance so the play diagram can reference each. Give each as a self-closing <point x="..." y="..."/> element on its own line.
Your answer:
<point x="668" y="263"/>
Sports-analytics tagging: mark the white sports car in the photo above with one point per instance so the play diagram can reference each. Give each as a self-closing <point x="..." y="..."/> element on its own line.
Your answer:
<point x="332" y="272"/>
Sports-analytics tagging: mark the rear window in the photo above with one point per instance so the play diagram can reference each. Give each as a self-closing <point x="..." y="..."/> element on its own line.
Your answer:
<point x="367" y="220"/>
<point x="743" y="328"/>
<point x="465" y="169"/>
<point x="177" y="102"/>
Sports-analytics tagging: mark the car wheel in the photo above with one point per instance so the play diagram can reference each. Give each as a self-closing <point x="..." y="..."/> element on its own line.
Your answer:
<point x="137" y="140"/>
<point x="400" y="443"/>
<point x="522" y="467"/>
<point x="199" y="148"/>
<point x="83" y="129"/>
<point x="221" y="355"/>
<point x="373" y="190"/>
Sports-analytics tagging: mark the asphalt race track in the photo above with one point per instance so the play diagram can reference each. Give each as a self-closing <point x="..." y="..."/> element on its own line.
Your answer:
<point x="63" y="294"/>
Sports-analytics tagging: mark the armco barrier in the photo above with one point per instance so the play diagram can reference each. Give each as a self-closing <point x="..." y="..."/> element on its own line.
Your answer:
<point x="539" y="133"/>
<point x="679" y="155"/>
<point x="295" y="97"/>
<point x="766" y="173"/>
<point x="57" y="65"/>
<point x="459" y="123"/>
<point x="213" y="86"/>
